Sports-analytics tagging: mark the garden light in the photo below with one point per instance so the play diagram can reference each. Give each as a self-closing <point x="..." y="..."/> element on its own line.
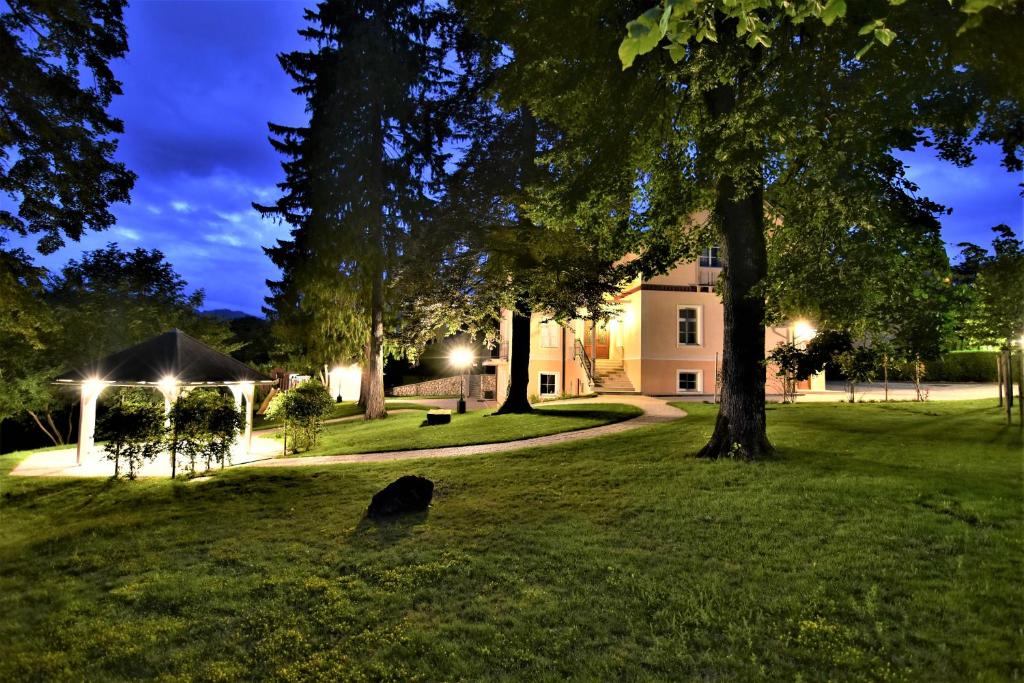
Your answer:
<point x="461" y="357"/>
<point x="803" y="331"/>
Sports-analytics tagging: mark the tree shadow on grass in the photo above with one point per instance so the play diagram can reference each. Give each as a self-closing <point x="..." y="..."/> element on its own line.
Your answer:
<point x="390" y="529"/>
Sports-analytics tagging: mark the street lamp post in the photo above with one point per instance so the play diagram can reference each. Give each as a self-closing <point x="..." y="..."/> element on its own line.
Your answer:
<point x="462" y="359"/>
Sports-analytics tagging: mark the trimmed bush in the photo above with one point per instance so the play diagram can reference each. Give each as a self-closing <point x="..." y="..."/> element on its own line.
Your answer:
<point x="303" y="409"/>
<point x="133" y="428"/>
<point x="204" y="425"/>
<point x="959" y="366"/>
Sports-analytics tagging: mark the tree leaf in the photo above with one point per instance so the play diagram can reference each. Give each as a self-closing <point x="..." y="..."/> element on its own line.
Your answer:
<point x="676" y="52"/>
<point x="642" y="35"/>
<point x="885" y="36"/>
<point x="975" y="6"/>
<point x="835" y="9"/>
<point x="869" y="27"/>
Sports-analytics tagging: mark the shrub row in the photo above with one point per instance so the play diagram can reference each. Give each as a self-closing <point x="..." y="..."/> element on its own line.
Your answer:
<point x="959" y="366"/>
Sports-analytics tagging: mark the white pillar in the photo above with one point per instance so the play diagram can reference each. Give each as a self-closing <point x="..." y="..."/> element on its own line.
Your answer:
<point x="249" y="391"/>
<point x="169" y="390"/>
<point x="87" y="419"/>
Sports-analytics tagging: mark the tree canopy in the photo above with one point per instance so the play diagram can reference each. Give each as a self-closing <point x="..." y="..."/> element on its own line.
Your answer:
<point x="57" y="140"/>
<point x="782" y="132"/>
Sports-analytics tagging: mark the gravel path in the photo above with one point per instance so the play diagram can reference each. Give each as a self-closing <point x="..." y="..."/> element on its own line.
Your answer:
<point x="656" y="411"/>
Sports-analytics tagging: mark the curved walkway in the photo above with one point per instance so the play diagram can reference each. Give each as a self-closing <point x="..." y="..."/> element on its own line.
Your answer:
<point x="656" y="411"/>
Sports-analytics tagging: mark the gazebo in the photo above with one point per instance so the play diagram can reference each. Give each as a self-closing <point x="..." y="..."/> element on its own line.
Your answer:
<point x="171" y="362"/>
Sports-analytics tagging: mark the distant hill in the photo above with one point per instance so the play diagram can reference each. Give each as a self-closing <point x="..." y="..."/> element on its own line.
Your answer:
<point x="227" y="314"/>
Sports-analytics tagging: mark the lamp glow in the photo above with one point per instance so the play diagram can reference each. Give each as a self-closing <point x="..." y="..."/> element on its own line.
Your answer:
<point x="461" y="357"/>
<point x="803" y="331"/>
<point x="167" y="383"/>
<point x="93" y="385"/>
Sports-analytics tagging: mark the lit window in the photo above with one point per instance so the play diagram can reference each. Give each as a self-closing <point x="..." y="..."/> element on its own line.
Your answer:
<point x="709" y="258"/>
<point x="549" y="334"/>
<point x="547" y="384"/>
<point x="689" y="325"/>
<point x="688" y="381"/>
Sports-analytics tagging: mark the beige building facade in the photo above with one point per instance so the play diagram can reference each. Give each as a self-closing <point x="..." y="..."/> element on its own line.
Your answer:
<point x="664" y="340"/>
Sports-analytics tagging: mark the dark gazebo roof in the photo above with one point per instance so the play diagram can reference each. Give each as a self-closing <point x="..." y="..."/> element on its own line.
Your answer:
<point x="172" y="354"/>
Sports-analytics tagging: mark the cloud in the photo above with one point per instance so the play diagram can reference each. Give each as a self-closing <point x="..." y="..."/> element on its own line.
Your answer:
<point x="181" y="206"/>
<point x="126" y="233"/>
<point x="223" y="238"/>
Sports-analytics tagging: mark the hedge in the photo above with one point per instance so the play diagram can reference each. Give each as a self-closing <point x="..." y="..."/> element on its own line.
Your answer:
<point x="959" y="366"/>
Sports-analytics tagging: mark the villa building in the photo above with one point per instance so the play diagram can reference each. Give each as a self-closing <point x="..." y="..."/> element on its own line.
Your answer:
<point x="666" y="339"/>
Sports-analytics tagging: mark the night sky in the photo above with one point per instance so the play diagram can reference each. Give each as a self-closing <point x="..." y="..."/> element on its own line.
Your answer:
<point x="202" y="80"/>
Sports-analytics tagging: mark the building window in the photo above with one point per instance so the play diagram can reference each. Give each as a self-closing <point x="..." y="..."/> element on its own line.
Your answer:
<point x="548" y="381"/>
<point x="689" y="325"/>
<point x="689" y="381"/>
<point x="709" y="258"/>
<point x="549" y="334"/>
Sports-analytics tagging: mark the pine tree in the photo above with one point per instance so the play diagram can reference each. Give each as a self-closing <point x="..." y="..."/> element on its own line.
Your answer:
<point x="357" y="177"/>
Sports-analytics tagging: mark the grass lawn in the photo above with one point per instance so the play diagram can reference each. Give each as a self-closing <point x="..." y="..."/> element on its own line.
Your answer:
<point x="409" y="431"/>
<point x="346" y="409"/>
<point x="883" y="542"/>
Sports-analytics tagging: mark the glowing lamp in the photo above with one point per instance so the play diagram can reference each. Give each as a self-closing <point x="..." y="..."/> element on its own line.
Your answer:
<point x="93" y="385"/>
<point x="167" y="383"/>
<point x="461" y="357"/>
<point x="803" y="331"/>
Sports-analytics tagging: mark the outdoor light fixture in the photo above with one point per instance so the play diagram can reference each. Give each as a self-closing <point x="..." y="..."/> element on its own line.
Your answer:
<point x="93" y="385"/>
<point x="803" y="331"/>
<point x="461" y="357"/>
<point x="167" y="383"/>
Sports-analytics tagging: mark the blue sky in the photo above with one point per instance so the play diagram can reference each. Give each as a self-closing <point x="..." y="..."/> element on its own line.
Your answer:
<point x="202" y="80"/>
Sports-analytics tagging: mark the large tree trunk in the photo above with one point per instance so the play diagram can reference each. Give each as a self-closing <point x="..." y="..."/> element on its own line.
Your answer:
<point x="374" y="408"/>
<point x="364" y="376"/>
<point x="740" y="426"/>
<point x="1008" y="375"/>
<point x="999" y="377"/>
<point x="517" y="400"/>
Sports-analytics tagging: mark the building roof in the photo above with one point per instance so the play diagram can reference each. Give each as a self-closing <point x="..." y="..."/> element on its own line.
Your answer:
<point x="171" y="354"/>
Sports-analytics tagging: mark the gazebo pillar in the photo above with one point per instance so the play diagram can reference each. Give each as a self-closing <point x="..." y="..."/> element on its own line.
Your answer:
<point x="249" y="391"/>
<point x="169" y="390"/>
<point x="87" y="418"/>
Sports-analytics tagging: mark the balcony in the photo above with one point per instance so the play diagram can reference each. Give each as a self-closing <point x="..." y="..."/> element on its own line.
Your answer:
<point x="498" y="351"/>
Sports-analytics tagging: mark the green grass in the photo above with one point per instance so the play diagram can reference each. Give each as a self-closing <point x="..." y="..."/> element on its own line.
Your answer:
<point x="883" y="542"/>
<point x="346" y="409"/>
<point x="409" y="431"/>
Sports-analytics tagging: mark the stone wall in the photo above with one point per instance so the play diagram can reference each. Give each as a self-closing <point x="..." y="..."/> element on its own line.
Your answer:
<point x="448" y="386"/>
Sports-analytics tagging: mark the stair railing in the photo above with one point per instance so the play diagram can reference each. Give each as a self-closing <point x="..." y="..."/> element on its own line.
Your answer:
<point x="581" y="355"/>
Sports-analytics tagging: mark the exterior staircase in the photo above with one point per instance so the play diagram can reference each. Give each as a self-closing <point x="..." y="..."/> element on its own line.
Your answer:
<point x="610" y="378"/>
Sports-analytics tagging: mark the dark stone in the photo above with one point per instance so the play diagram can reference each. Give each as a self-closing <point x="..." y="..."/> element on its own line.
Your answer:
<point x="404" y="495"/>
<point x="439" y="417"/>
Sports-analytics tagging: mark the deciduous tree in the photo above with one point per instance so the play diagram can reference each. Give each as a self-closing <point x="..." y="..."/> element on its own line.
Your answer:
<point x="753" y="109"/>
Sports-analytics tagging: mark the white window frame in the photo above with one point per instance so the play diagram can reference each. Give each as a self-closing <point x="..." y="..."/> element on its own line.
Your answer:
<point x="540" y="384"/>
<point x="700" y="324"/>
<point x="550" y="329"/>
<point x="714" y="252"/>
<point x="700" y="381"/>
